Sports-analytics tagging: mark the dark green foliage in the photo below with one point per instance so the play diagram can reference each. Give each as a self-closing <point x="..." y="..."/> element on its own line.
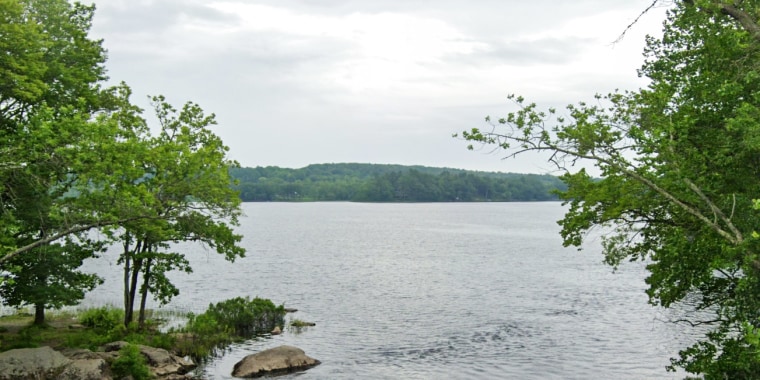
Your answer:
<point x="245" y="316"/>
<point x="184" y="185"/>
<point x="390" y="183"/>
<point x="228" y="321"/>
<point x="206" y="336"/>
<point x="680" y="175"/>
<point x="50" y="71"/>
<point x="131" y="363"/>
<point x="76" y="156"/>
<point x="48" y="277"/>
<point x="103" y="318"/>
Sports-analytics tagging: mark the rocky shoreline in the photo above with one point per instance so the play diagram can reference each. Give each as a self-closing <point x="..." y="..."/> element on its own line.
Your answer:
<point x="81" y="364"/>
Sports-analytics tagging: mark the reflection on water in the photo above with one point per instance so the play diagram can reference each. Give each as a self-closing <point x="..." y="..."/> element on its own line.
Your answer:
<point x="423" y="291"/>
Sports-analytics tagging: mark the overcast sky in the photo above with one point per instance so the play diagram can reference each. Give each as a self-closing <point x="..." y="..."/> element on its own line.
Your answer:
<point x="296" y="82"/>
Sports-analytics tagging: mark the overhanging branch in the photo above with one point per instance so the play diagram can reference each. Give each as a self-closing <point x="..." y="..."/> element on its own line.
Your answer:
<point x="67" y="232"/>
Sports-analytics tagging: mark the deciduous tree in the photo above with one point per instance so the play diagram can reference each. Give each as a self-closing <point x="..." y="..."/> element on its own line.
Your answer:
<point x="679" y="163"/>
<point x="184" y="194"/>
<point x="49" y="74"/>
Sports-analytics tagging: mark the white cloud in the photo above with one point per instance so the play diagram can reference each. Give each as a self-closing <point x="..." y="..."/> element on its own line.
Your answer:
<point x="386" y="82"/>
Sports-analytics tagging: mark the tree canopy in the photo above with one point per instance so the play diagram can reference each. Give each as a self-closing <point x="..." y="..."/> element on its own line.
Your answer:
<point x="76" y="156"/>
<point x="680" y="174"/>
<point x="390" y="183"/>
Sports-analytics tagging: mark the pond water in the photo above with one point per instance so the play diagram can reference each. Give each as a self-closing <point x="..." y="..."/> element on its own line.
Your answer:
<point x="428" y="291"/>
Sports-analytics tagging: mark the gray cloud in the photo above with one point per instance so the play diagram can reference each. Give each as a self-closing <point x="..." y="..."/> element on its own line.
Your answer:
<point x="153" y="17"/>
<point x="332" y="89"/>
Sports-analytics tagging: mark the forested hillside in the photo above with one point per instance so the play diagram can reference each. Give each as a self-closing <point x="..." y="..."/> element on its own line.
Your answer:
<point x="390" y="183"/>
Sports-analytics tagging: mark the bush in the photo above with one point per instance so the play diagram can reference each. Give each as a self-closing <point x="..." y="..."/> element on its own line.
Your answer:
<point x="131" y="363"/>
<point x="103" y="318"/>
<point x="228" y="321"/>
<point x="247" y="317"/>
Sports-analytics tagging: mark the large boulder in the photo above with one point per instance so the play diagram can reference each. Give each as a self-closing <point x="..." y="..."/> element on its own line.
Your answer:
<point x="162" y="363"/>
<point x="32" y="363"/>
<point x="87" y="365"/>
<point x="77" y="364"/>
<point x="282" y="359"/>
<point x="86" y="369"/>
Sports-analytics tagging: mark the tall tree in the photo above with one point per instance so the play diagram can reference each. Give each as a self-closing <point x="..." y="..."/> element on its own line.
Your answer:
<point x="680" y="169"/>
<point x="185" y="187"/>
<point x="49" y="74"/>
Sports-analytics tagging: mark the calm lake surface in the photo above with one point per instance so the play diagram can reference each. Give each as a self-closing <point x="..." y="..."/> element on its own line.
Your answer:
<point x="429" y="291"/>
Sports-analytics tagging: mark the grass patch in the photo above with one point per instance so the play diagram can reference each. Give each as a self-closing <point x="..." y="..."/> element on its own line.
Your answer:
<point x="299" y="323"/>
<point x="202" y="336"/>
<point x="88" y="329"/>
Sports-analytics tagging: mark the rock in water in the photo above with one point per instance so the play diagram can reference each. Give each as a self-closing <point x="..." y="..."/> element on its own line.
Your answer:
<point x="282" y="359"/>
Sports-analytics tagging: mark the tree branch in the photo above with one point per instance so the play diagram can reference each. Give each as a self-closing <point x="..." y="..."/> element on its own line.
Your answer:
<point x="743" y="18"/>
<point x="627" y="28"/>
<point x="717" y="211"/>
<point x="64" y="233"/>
<point x="734" y="237"/>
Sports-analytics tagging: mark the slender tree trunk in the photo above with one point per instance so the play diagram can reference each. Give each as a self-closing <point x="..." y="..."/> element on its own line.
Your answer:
<point x="41" y="282"/>
<point x="131" y="281"/>
<point x="127" y="267"/>
<point x="144" y="292"/>
<point x="136" y="266"/>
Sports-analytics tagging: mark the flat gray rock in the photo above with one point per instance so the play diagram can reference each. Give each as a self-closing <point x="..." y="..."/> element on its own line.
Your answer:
<point x="282" y="359"/>
<point x="32" y="363"/>
<point x="87" y="369"/>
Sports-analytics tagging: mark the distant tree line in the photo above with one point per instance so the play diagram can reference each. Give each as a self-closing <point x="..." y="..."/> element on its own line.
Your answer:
<point x="390" y="183"/>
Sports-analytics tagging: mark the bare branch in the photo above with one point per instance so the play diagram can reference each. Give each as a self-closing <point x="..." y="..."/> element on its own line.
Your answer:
<point x="698" y="323"/>
<point x="627" y="28"/>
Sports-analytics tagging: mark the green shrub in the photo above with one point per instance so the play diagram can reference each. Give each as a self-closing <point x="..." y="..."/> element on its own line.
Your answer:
<point x="161" y="340"/>
<point x="131" y="363"/>
<point x="247" y="317"/>
<point x="226" y="322"/>
<point x="104" y="318"/>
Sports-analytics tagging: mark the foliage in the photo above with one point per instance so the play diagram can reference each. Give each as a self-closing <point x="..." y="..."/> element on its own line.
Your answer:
<point x="390" y="183"/>
<point x="299" y="324"/>
<point x="49" y="70"/>
<point x="131" y="363"/>
<point x="76" y="156"/>
<point x="228" y="321"/>
<point x="679" y="166"/>
<point x="245" y="316"/>
<point x="183" y="177"/>
<point x="205" y="337"/>
<point x="103" y="318"/>
<point x="102" y="325"/>
<point x="48" y="277"/>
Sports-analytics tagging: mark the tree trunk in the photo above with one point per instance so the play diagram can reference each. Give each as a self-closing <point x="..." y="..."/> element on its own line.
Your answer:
<point x="127" y="267"/>
<point x="144" y="292"/>
<point x="132" y="293"/>
<point x="130" y="280"/>
<point x="39" y="314"/>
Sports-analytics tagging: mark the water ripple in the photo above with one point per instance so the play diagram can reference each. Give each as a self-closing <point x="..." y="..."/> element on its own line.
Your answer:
<point x="428" y="291"/>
